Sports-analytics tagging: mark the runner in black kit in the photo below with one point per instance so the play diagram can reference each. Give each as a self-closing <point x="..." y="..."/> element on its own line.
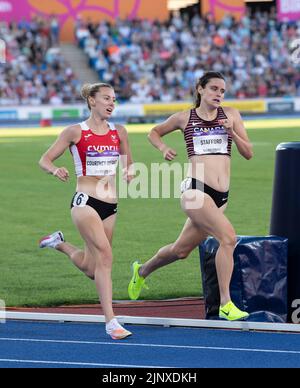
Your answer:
<point x="209" y="131"/>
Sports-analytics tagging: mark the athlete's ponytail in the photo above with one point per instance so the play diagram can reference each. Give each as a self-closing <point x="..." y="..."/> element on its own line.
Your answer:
<point x="90" y="90"/>
<point x="203" y="81"/>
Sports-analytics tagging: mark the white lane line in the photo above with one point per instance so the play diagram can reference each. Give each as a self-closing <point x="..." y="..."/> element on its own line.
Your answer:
<point x="50" y="362"/>
<point x="153" y="345"/>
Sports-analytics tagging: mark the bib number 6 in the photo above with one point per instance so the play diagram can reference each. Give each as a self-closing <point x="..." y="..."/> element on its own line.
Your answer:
<point x="80" y="200"/>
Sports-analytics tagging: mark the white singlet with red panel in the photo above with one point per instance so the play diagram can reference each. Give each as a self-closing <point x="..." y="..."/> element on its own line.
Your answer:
<point x="96" y="155"/>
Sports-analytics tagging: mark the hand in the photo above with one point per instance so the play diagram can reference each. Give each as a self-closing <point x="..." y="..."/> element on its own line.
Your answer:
<point x="168" y="153"/>
<point x="129" y="178"/>
<point x="61" y="173"/>
<point x="128" y="173"/>
<point x="228" y="125"/>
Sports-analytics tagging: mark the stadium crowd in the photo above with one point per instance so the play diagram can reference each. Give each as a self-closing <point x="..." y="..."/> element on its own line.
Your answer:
<point x="160" y="61"/>
<point x="35" y="71"/>
<point x="152" y="61"/>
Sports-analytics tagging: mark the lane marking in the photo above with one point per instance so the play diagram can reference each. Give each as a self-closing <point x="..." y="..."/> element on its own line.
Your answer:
<point x="255" y="350"/>
<point x="78" y="363"/>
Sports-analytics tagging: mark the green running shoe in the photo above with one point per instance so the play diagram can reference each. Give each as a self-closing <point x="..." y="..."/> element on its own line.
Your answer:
<point x="137" y="282"/>
<point x="230" y="312"/>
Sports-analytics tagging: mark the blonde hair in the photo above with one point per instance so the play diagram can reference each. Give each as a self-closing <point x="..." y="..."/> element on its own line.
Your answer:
<point x="90" y="90"/>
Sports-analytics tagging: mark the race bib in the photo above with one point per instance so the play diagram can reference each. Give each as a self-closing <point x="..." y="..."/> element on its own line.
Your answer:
<point x="101" y="163"/>
<point x="186" y="184"/>
<point x="210" y="144"/>
<point x="80" y="200"/>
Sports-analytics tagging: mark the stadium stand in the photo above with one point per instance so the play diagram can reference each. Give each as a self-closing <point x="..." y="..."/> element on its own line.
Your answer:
<point x="35" y="71"/>
<point x="253" y="54"/>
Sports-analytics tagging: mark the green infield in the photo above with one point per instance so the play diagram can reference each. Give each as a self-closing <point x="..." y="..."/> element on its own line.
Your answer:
<point x="34" y="204"/>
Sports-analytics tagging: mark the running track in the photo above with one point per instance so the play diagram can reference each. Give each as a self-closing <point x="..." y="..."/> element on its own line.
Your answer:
<point x="79" y="345"/>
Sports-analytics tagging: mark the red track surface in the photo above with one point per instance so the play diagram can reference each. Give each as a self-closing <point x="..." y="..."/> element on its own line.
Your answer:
<point x="192" y="308"/>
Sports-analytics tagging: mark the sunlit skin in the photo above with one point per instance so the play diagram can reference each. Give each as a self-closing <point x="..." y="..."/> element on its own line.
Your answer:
<point x="207" y="219"/>
<point x="95" y="261"/>
<point x="103" y="104"/>
<point x="212" y="95"/>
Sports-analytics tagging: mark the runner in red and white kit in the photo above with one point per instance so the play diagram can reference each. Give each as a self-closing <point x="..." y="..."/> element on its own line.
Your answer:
<point x="96" y="146"/>
<point x="209" y="131"/>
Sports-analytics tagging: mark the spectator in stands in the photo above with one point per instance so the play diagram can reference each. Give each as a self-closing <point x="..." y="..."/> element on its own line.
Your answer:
<point x="54" y="30"/>
<point x="34" y="67"/>
<point x="250" y="52"/>
<point x="171" y="55"/>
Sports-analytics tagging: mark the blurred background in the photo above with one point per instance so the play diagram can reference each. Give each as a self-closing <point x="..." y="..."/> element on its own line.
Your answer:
<point x="151" y="52"/>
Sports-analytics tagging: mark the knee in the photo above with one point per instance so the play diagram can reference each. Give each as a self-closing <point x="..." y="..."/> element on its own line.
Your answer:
<point x="104" y="259"/>
<point x="90" y="273"/>
<point x="229" y="239"/>
<point x="179" y="252"/>
<point x="102" y="255"/>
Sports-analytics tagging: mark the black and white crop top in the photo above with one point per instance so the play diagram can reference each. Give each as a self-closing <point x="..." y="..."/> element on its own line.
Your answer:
<point x="207" y="137"/>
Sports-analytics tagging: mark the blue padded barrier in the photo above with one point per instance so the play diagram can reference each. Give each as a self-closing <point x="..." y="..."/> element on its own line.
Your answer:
<point x="285" y="215"/>
<point x="259" y="280"/>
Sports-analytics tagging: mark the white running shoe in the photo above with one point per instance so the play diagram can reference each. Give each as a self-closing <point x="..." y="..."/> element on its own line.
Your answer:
<point x="52" y="240"/>
<point x="116" y="331"/>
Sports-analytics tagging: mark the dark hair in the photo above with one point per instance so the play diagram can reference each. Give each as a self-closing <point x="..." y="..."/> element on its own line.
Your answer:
<point x="203" y="81"/>
<point x="90" y="90"/>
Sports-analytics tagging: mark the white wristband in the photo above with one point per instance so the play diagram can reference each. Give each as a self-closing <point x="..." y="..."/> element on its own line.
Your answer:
<point x="55" y="172"/>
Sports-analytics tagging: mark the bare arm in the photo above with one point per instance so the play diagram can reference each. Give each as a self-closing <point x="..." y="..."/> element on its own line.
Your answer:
<point x="235" y="127"/>
<point x="173" y="123"/>
<point x="126" y="156"/>
<point x="65" y="139"/>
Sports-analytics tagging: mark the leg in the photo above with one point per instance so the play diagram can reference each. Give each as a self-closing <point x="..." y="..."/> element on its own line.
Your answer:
<point x="95" y="260"/>
<point x="212" y="220"/>
<point x="98" y="254"/>
<point x="190" y="237"/>
<point x="88" y="266"/>
<point x="109" y="225"/>
<point x="77" y="256"/>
